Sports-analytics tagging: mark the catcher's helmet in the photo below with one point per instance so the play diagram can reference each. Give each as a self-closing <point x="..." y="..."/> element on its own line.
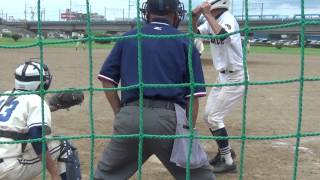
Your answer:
<point x="27" y="76"/>
<point x="162" y="7"/>
<point x="219" y="4"/>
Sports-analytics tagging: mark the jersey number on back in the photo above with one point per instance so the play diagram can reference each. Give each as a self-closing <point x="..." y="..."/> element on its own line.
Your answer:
<point x="7" y="110"/>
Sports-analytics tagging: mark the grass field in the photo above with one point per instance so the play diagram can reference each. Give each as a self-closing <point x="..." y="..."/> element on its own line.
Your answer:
<point x="253" y="49"/>
<point x="273" y="50"/>
<point x="284" y="50"/>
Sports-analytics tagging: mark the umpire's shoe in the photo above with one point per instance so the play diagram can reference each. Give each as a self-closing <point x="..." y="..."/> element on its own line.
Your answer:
<point x="218" y="157"/>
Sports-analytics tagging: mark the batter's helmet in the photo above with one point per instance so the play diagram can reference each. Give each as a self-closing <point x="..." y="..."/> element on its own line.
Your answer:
<point x="162" y="7"/>
<point x="27" y="76"/>
<point x="219" y="4"/>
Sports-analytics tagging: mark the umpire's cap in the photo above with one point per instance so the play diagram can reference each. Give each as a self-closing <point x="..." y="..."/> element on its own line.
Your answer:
<point x="161" y="7"/>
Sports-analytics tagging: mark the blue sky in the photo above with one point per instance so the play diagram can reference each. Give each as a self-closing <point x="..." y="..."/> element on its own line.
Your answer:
<point x="120" y="8"/>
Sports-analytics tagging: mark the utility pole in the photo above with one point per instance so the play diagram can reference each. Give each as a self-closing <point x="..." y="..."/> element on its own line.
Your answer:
<point x="129" y="9"/>
<point x="44" y="14"/>
<point x="70" y="4"/>
<point x="232" y="7"/>
<point x="122" y="14"/>
<point x="59" y="15"/>
<point x="32" y="13"/>
<point x="105" y="13"/>
<point x="25" y="11"/>
<point x="243" y="1"/>
<point x="2" y="14"/>
<point x="70" y="12"/>
<point x="130" y="5"/>
<point x="261" y="10"/>
<point x="41" y="14"/>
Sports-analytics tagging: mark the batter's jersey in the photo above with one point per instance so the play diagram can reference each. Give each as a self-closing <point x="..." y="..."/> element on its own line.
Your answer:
<point x="19" y="116"/>
<point x="226" y="54"/>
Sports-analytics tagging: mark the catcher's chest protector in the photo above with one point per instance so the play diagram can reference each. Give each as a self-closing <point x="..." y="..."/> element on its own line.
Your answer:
<point x="69" y="155"/>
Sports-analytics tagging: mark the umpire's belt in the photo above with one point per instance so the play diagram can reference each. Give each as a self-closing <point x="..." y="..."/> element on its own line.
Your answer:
<point x="148" y="103"/>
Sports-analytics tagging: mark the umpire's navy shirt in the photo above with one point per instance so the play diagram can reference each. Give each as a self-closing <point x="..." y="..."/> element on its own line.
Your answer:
<point x="164" y="61"/>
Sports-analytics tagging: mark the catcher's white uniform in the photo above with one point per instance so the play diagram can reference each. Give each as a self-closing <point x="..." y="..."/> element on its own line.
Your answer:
<point x="18" y="116"/>
<point x="227" y="59"/>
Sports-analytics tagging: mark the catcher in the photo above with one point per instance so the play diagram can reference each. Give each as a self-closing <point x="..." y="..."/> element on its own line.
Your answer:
<point x="23" y="117"/>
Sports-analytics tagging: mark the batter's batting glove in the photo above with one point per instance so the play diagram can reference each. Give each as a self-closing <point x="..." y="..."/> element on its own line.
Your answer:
<point x="65" y="100"/>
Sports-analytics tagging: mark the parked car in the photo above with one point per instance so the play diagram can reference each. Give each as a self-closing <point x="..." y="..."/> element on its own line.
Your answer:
<point x="294" y="43"/>
<point x="6" y="31"/>
<point x="313" y="44"/>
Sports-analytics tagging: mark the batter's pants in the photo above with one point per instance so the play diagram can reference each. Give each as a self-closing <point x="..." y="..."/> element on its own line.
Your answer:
<point x="29" y="165"/>
<point x="222" y="99"/>
<point x="120" y="157"/>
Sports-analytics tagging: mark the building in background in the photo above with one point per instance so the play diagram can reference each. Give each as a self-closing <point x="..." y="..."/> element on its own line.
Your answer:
<point x="95" y="17"/>
<point x="69" y="15"/>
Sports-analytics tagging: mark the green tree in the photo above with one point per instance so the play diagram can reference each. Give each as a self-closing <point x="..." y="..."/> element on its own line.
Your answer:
<point x="16" y="37"/>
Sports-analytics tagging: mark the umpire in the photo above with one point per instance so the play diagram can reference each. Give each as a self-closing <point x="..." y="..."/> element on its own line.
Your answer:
<point x="164" y="61"/>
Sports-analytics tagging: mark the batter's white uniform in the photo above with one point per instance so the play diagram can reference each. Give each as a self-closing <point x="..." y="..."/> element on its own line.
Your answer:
<point x="227" y="59"/>
<point x="19" y="116"/>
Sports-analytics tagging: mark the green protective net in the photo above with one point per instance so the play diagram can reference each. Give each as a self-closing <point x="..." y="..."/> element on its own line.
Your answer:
<point x="246" y="29"/>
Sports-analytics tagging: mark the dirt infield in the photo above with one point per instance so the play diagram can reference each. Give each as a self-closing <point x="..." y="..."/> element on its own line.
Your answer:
<point x="271" y="110"/>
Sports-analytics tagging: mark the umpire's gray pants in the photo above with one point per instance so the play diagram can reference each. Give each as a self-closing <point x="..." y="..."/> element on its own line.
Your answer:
<point x="120" y="157"/>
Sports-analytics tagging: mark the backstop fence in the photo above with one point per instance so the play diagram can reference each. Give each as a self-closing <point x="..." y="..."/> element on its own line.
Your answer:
<point x="246" y="29"/>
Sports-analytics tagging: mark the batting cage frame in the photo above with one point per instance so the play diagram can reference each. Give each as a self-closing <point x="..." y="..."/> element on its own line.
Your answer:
<point x="246" y="29"/>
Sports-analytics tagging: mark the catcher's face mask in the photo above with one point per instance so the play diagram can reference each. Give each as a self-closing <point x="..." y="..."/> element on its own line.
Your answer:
<point x="27" y="76"/>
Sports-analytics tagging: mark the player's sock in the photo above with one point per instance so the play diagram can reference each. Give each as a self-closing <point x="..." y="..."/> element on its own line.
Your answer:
<point x="223" y="145"/>
<point x="225" y="152"/>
